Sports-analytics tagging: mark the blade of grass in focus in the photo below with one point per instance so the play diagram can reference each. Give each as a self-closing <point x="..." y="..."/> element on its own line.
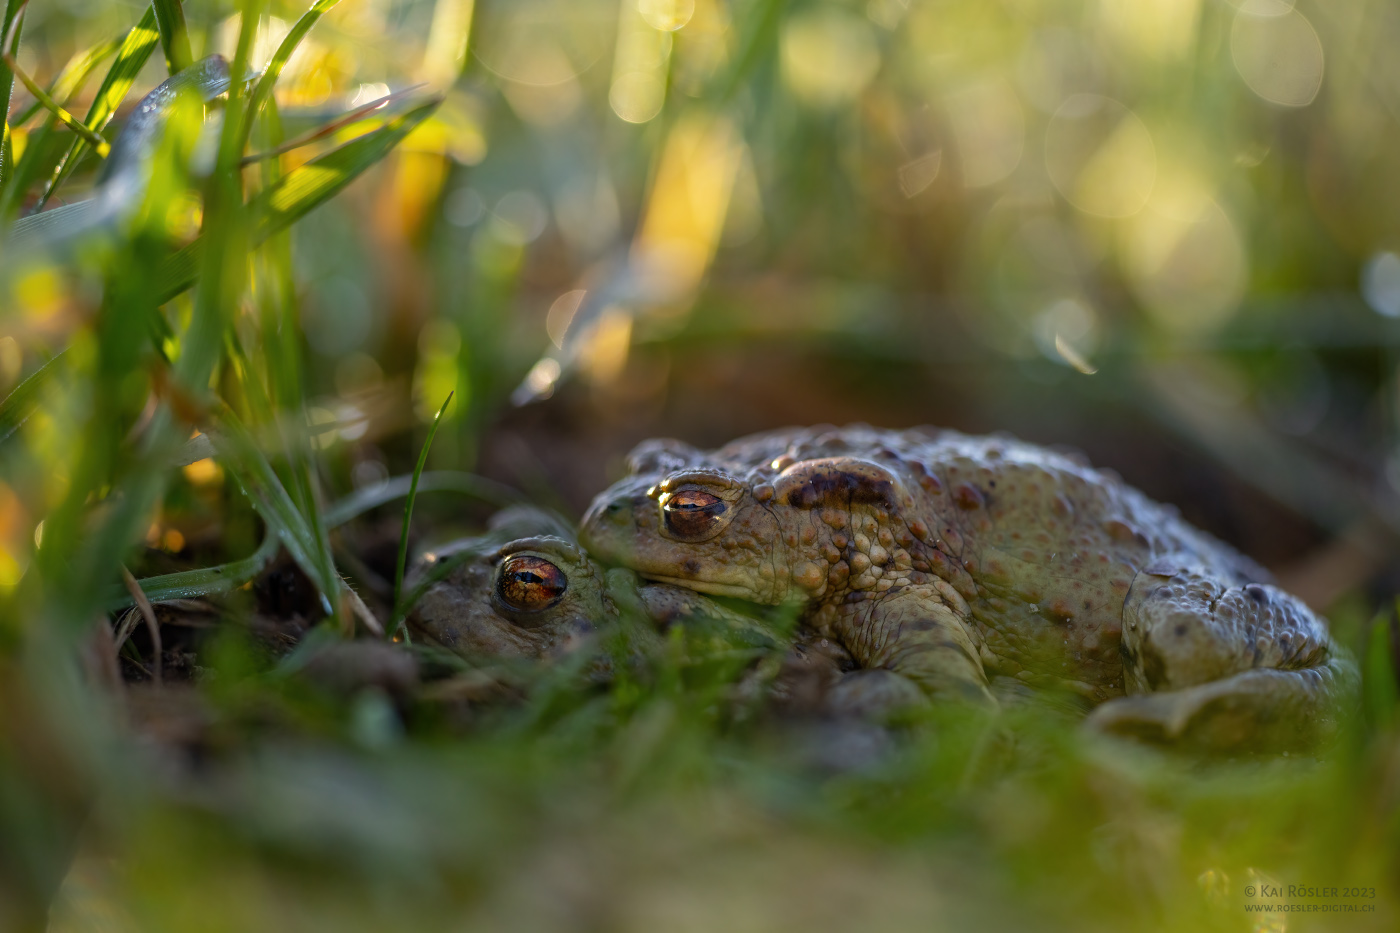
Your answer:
<point x="75" y="126"/>
<point x="408" y="515"/>
<point x="71" y="78"/>
<point x="205" y="581"/>
<point x="21" y="402"/>
<point x="135" y="49"/>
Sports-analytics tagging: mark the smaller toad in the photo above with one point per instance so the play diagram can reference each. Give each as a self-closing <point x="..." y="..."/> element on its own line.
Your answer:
<point x="526" y="590"/>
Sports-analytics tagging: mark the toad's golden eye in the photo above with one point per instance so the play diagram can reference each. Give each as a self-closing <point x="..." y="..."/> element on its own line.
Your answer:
<point x="530" y="583"/>
<point x="692" y="513"/>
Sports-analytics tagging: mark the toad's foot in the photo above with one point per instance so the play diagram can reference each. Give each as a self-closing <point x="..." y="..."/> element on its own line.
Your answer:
<point x="1257" y="710"/>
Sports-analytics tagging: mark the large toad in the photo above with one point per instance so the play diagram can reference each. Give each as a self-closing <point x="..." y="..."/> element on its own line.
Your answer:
<point x="942" y="559"/>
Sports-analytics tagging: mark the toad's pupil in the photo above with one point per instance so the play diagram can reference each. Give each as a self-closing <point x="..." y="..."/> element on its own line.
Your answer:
<point x="531" y="583"/>
<point x="692" y="502"/>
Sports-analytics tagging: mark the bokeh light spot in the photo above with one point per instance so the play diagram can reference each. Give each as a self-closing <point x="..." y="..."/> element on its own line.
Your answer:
<point x="637" y="96"/>
<point x="1278" y="56"/>
<point x="519" y="218"/>
<point x="828" y="55"/>
<point x="357" y="373"/>
<point x="1160" y="29"/>
<point x="666" y="15"/>
<point x="1066" y="331"/>
<point x="1185" y="259"/>
<point x="1100" y="156"/>
<point x="1054" y="65"/>
<point x="990" y="125"/>
<point x="463" y="207"/>
<point x="916" y="175"/>
<point x="561" y="314"/>
<point x="1380" y="283"/>
<point x="204" y="472"/>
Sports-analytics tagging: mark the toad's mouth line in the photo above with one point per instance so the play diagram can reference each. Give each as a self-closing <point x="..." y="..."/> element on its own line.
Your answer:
<point x="709" y="587"/>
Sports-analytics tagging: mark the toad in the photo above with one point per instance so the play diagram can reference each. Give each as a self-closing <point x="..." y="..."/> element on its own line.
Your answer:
<point x="526" y="591"/>
<point x="941" y="561"/>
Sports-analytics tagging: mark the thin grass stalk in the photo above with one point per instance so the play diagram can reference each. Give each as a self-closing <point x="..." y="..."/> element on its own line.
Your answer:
<point x="280" y="327"/>
<point x="408" y="515"/>
<point x="224" y="270"/>
<point x="32" y="165"/>
<point x="174" y="35"/>
<point x="98" y="144"/>
<point x="135" y="50"/>
<point x="262" y="91"/>
<point x="71" y="77"/>
<point x="297" y="193"/>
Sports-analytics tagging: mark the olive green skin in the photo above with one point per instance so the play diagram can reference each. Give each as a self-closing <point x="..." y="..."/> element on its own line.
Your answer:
<point x="470" y="612"/>
<point x="947" y="560"/>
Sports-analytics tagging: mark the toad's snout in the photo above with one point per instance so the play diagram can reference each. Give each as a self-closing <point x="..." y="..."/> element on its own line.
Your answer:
<point x="609" y="528"/>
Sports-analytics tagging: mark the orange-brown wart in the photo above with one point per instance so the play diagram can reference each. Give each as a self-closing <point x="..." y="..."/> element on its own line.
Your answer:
<point x="951" y="559"/>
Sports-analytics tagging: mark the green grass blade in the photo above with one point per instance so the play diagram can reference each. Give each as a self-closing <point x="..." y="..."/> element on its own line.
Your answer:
<point x="276" y="297"/>
<point x="56" y="109"/>
<point x="408" y="513"/>
<point x="299" y="192"/>
<point x="20" y="404"/>
<point x="443" y="568"/>
<point x="255" y="475"/>
<point x="466" y="484"/>
<point x="72" y="77"/>
<point x="9" y="28"/>
<point x="135" y="49"/>
<point x="174" y="36"/>
<point x="228" y="576"/>
<point x="205" y="581"/>
<point x="40" y="155"/>
<point x="179" y="271"/>
<point x="279" y="59"/>
<point x="762" y="38"/>
<point x="224" y="269"/>
<point x="1380" y="679"/>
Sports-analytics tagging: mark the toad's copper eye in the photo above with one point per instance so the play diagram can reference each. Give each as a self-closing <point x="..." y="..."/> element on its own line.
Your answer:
<point x="530" y="583"/>
<point x="692" y="513"/>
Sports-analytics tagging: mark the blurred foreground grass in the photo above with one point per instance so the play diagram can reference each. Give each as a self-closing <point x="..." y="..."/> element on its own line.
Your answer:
<point x="1163" y="230"/>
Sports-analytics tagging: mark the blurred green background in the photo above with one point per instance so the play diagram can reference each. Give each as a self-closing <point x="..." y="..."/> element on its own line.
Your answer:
<point x="1163" y="232"/>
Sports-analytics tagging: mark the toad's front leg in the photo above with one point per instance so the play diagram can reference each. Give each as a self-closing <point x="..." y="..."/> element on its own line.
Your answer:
<point x="914" y="642"/>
